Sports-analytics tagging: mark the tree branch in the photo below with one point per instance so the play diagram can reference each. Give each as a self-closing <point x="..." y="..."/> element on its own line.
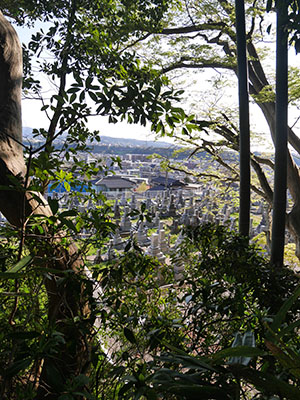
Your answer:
<point x="262" y="160"/>
<point x="62" y="84"/>
<point x="213" y="26"/>
<point x="183" y="64"/>
<point x="267" y="193"/>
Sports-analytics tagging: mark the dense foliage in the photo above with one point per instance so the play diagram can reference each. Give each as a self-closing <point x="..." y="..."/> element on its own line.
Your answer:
<point x="125" y="327"/>
<point x="174" y="341"/>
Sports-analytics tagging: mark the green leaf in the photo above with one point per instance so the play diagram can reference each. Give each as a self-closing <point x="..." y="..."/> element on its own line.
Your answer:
<point x="189" y="361"/>
<point x="290" y="361"/>
<point x="268" y="383"/>
<point x="69" y="224"/>
<point x="40" y="229"/>
<point x="68" y="213"/>
<point x="88" y="82"/>
<point x="280" y="316"/>
<point x="67" y="186"/>
<point x="54" y="205"/>
<point x="129" y="335"/>
<point x="17" y="366"/>
<point x="81" y="380"/>
<point x="199" y="392"/>
<point x="20" y="265"/>
<point x="14" y="294"/>
<point x="7" y="275"/>
<point x="289" y="328"/>
<point x="73" y="90"/>
<point x="72" y="98"/>
<point x="66" y="397"/>
<point x="239" y="351"/>
<point x="93" y="96"/>
<point x="196" y="363"/>
<point x="54" y="376"/>
<point x="52" y="270"/>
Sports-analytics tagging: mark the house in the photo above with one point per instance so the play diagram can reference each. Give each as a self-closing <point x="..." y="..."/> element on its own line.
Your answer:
<point x="114" y="184"/>
<point x="163" y="183"/>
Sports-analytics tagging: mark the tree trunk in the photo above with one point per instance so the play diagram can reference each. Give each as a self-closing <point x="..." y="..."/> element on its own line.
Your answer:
<point x="258" y="82"/>
<point x="244" y="142"/>
<point x="17" y="204"/>
<point x="280" y="175"/>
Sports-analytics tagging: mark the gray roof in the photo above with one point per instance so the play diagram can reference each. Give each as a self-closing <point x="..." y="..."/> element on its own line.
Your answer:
<point x="114" y="182"/>
<point x="166" y="182"/>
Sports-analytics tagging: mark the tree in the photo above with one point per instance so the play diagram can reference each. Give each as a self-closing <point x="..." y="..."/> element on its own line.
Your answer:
<point x="207" y="36"/>
<point x="87" y="62"/>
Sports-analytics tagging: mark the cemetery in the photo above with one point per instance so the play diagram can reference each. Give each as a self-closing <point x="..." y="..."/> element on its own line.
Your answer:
<point x="160" y="272"/>
<point x="170" y="208"/>
<point x="174" y="210"/>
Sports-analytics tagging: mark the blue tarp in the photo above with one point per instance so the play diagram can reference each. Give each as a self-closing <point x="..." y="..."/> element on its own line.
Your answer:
<point x="74" y="188"/>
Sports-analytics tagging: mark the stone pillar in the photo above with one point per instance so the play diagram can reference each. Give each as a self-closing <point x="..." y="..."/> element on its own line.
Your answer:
<point x="154" y="249"/>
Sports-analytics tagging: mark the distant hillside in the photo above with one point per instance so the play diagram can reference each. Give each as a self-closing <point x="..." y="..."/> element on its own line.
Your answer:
<point x="133" y="142"/>
<point x="107" y="140"/>
<point x="123" y="146"/>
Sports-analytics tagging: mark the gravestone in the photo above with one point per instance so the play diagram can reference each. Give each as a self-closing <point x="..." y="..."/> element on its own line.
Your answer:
<point x="177" y="261"/>
<point x="141" y="236"/>
<point x="110" y="255"/>
<point x="117" y="241"/>
<point x="171" y="210"/>
<point x="233" y="224"/>
<point x="163" y="206"/>
<point x="156" y="220"/>
<point x="125" y="225"/>
<point x="149" y="204"/>
<point x="180" y="203"/>
<point x="133" y="204"/>
<point x="123" y="201"/>
<point x="174" y="228"/>
<point x="195" y="220"/>
<point x="185" y="219"/>
<point x="117" y="213"/>
<point x="162" y="240"/>
<point x="154" y="249"/>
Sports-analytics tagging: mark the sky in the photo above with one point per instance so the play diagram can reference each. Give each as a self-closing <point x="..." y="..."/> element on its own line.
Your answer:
<point x="33" y="117"/>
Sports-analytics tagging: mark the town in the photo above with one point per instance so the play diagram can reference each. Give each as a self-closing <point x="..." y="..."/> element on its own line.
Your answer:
<point x="173" y="198"/>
